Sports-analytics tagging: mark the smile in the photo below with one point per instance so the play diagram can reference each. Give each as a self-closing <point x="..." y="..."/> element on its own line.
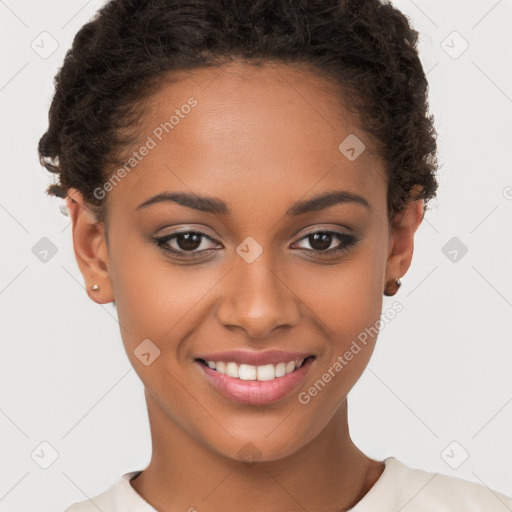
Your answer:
<point x="252" y="384"/>
<point x="250" y="372"/>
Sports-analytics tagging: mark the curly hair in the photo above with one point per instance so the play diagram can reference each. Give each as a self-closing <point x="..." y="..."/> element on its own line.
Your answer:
<point x="119" y="58"/>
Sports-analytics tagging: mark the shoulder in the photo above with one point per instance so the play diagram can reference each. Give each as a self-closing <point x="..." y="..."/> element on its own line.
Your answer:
<point x="415" y="490"/>
<point x="121" y="496"/>
<point x="446" y="492"/>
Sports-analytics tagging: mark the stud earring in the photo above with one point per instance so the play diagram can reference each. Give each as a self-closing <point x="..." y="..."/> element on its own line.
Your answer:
<point x="95" y="287"/>
<point x="392" y="287"/>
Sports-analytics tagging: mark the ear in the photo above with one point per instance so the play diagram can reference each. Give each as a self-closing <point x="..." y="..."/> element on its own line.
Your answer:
<point x="90" y="246"/>
<point x="401" y="245"/>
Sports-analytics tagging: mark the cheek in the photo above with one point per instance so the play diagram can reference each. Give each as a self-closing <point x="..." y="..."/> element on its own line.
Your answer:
<point x="345" y="301"/>
<point x="344" y="298"/>
<point x="159" y="301"/>
<point x="347" y="307"/>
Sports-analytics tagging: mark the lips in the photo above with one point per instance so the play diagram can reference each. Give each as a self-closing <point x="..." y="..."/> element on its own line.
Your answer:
<point x="256" y="392"/>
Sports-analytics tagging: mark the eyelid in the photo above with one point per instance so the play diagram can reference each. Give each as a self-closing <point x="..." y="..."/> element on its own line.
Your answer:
<point x="313" y="228"/>
<point x="189" y="229"/>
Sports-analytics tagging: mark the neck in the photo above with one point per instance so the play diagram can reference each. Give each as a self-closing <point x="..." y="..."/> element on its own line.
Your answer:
<point x="330" y="473"/>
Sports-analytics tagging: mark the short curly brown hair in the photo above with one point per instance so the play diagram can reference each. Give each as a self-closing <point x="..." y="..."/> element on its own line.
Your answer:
<point x="119" y="57"/>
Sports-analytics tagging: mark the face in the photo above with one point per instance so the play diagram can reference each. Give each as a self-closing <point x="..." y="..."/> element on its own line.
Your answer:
<point x="243" y="269"/>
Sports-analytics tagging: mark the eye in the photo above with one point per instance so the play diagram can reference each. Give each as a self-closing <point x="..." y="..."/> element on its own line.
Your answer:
<point x="190" y="244"/>
<point x="181" y="243"/>
<point x="322" y="241"/>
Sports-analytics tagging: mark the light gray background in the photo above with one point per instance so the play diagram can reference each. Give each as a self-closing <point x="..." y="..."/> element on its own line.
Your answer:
<point x="441" y="369"/>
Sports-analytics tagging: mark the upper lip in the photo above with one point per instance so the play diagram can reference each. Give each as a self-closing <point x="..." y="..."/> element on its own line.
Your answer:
<point x="255" y="358"/>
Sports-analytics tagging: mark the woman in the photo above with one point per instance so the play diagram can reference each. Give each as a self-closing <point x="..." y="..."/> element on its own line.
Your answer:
<point x="244" y="181"/>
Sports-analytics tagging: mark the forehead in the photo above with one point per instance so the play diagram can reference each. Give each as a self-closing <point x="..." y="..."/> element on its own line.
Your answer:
<point x="260" y="133"/>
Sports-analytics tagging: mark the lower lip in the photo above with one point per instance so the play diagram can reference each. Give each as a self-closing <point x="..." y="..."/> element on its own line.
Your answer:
<point x="256" y="392"/>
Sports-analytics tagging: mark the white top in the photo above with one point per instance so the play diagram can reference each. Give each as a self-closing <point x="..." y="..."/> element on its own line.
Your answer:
<point x="398" y="488"/>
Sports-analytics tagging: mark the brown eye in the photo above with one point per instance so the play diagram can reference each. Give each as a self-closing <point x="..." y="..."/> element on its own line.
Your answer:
<point x="183" y="242"/>
<point x="188" y="241"/>
<point x="189" y="244"/>
<point x="322" y="241"/>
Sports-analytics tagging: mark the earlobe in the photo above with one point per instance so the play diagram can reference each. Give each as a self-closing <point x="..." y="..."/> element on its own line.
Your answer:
<point x="90" y="247"/>
<point x="402" y="229"/>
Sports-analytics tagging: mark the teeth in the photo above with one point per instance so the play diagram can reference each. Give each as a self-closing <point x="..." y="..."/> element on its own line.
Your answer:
<point x="266" y="372"/>
<point x="232" y="370"/>
<point x="280" y="369"/>
<point x="250" y="372"/>
<point x="246" y="372"/>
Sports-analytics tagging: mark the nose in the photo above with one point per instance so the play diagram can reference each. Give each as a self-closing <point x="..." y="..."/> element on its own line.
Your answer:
<point x="257" y="299"/>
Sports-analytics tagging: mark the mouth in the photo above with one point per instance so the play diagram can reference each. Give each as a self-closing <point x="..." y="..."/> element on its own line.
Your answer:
<point x="255" y="384"/>
<point x="249" y="372"/>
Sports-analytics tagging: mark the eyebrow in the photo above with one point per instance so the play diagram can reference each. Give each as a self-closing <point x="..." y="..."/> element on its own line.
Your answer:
<point x="217" y="206"/>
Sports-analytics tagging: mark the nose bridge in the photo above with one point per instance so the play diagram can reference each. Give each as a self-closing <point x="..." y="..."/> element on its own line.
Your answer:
<point x="256" y="298"/>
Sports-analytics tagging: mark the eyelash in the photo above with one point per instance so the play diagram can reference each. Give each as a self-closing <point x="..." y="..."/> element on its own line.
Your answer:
<point x="347" y="241"/>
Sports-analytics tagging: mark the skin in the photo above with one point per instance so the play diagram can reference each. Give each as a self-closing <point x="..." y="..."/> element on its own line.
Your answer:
<point x="260" y="139"/>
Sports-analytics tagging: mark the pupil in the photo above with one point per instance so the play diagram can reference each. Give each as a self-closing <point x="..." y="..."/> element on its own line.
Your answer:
<point x="320" y="240"/>
<point x="188" y="241"/>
